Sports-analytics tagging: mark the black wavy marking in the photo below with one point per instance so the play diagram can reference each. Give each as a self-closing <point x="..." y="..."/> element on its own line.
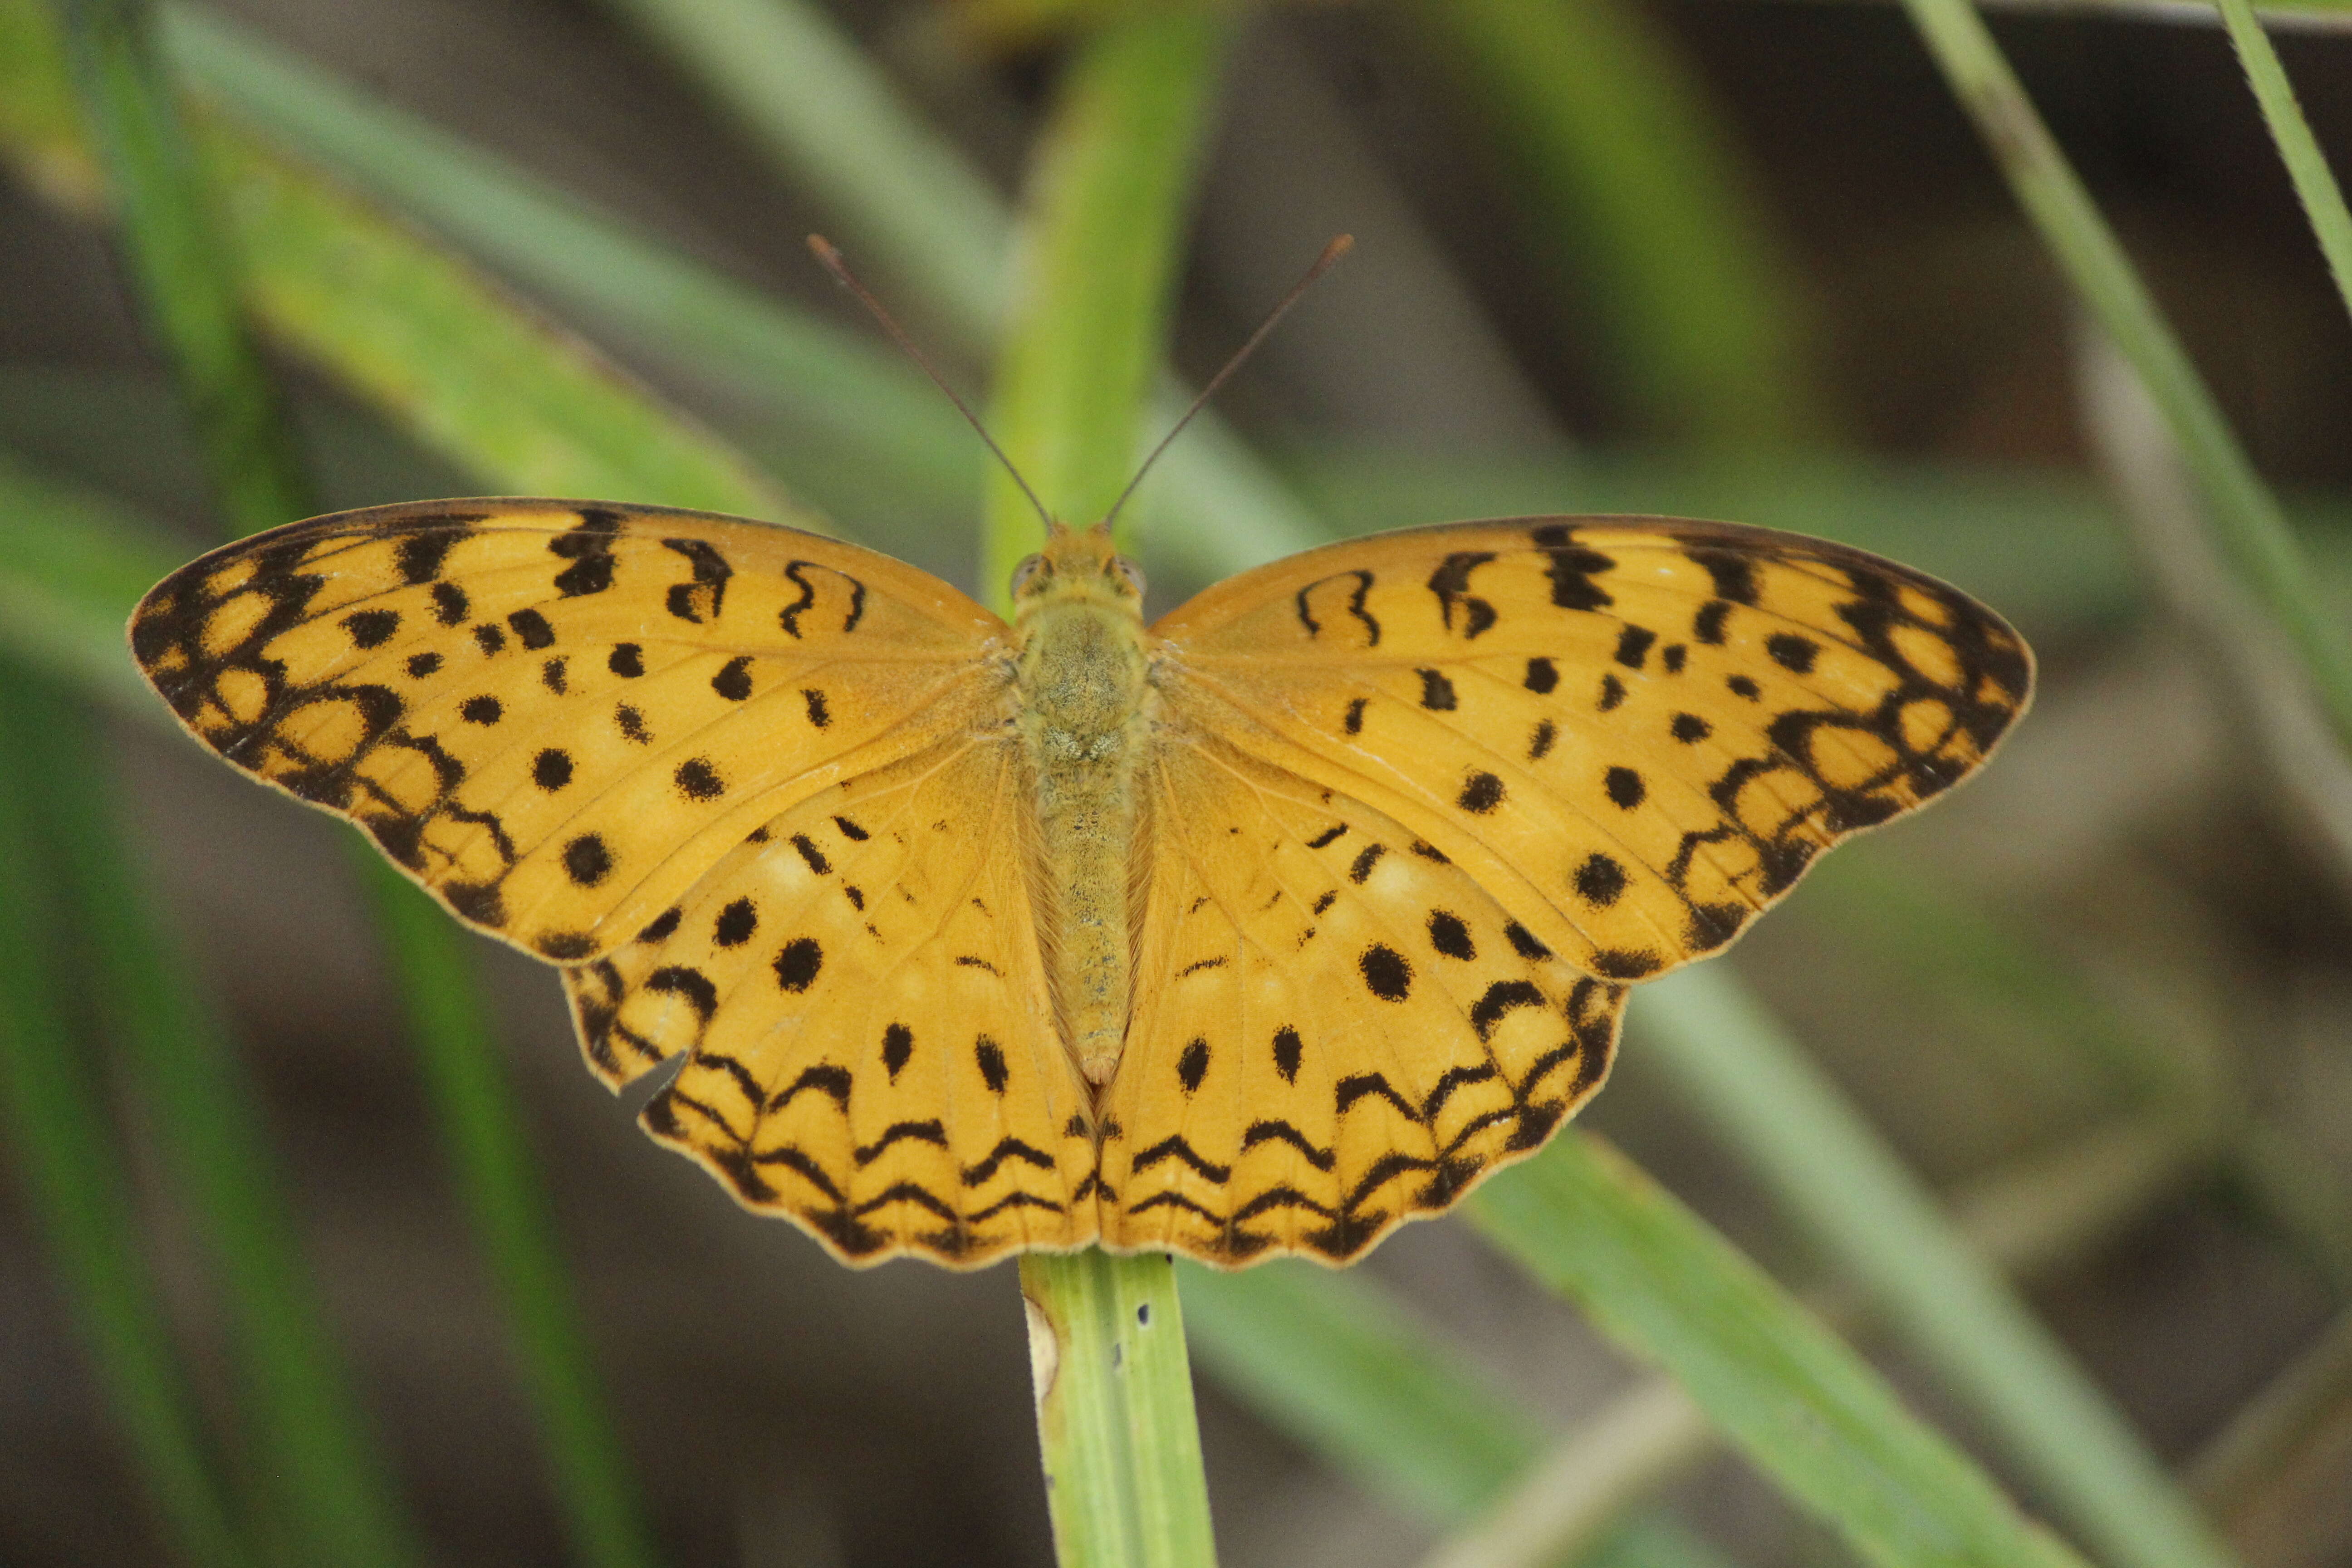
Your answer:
<point x="1993" y="679"/>
<point x="789" y="617"/>
<point x="1451" y="584"/>
<point x="1537" y="1105"/>
<point x="703" y="598"/>
<point x="1355" y="605"/>
<point x="173" y="618"/>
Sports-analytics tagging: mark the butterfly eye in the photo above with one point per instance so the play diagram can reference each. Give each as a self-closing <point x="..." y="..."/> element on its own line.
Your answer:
<point x="1128" y="572"/>
<point x="1031" y="568"/>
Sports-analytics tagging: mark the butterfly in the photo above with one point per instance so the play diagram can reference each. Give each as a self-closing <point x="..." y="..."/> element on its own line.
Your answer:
<point x="1255" y="933"/>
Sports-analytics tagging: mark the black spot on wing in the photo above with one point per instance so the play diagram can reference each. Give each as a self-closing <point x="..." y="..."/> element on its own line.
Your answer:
<point x="1449" y="936"/>
<point x="697" y="780"/>
<point x="626" y="660"/>
<point x="1288" y="1051"/>
<point x="589" y="548"/>
<point x="371" y="628"/>
<point x="1193" y="1064"/>
<point x="586" y="860"/>
<point x="1387" y="974"/>
<point x="1436" y="691"/>
<point x="1634" y="646"/>
<point x="735" y="924"/>
<point x="989" y="1056"/>
<point x="531" y="628"/>
<point x="898" y="1049"/>
<point x="1572" y="566"/>
<point x="1600" y="880"/>
<point x="1482" y="792"/>
<point x="797" y="962"/>
<point x="733" y="680"/>
<point x="1791" y="652"/>
<point x="1523" y="941"/>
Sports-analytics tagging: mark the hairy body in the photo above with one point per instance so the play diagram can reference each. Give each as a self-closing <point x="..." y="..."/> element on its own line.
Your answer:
<point x="1082" y="681"/>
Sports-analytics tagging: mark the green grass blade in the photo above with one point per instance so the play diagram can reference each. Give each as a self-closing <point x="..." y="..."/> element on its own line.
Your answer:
<point x="1731" y="1063"/>
<point x="1110" y="189"/>
<point x="65" y="1152"/>
<point x="309" y="1443"/>
<point x="842" y="394"/>
<point x="462" y="368"/>
<point x="71" y="569"/>
<point x="803" y="91"/>
<point x="217" y="368"/>
<point x="481" y="1122"/>
<point x="1211" y="497"/>
<point x="2315" y="183"/>
<point x="1803" y="1407"/>
<point x="174" y="244"/>
<point x="1332" y="1359"/>
<point x="1633" y="181"/>
<point x="2250" y="531"/>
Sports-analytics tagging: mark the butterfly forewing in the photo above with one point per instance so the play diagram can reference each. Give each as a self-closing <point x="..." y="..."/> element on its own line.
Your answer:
<point x="1634" y="733"/>
<point x="557" y="717"/>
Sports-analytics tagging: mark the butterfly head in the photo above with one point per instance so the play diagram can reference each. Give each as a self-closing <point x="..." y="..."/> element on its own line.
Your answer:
<point x="1079" y="566"/>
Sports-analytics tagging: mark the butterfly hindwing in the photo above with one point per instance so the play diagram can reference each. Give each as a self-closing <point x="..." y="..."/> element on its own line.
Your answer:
<point x="1334" y="1029"/>
<point x="1634" y="733"/>
<point x="868" y="1051"/>
<point x="556" y="715"/>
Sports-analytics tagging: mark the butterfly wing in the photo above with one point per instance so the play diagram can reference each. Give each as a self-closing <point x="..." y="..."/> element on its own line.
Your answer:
<point x="1335" y="1028"/>
<point x="1633" y="733"/>
<point x="866" y="1021"/>
<point x="558" y="716"/>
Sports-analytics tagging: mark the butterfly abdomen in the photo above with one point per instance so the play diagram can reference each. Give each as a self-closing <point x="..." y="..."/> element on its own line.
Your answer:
<point x="1083" y="692"/>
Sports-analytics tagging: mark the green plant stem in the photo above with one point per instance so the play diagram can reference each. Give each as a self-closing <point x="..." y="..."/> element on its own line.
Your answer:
<point x="1109" y="192"/>
<point x="2250" y="531"/>
<point x="1632" y="180"/>
<point x="2315" y="183"/>
<point x="1858" y="1205"/>
<point x="1115" y="1422"/>
<point x="65" y="1152"/>
<point x="482" y="1124"/>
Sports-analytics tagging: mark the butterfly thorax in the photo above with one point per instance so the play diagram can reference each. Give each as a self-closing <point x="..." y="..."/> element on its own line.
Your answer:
<point x="1083" y="696"/>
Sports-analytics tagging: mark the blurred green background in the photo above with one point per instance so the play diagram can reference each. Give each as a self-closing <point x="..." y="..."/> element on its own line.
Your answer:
<point x="1741" y="258"/>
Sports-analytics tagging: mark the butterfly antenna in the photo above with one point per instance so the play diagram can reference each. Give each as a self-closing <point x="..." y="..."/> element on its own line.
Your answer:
<point x="1339" y="248"/>
<point x="831" y="258"/>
